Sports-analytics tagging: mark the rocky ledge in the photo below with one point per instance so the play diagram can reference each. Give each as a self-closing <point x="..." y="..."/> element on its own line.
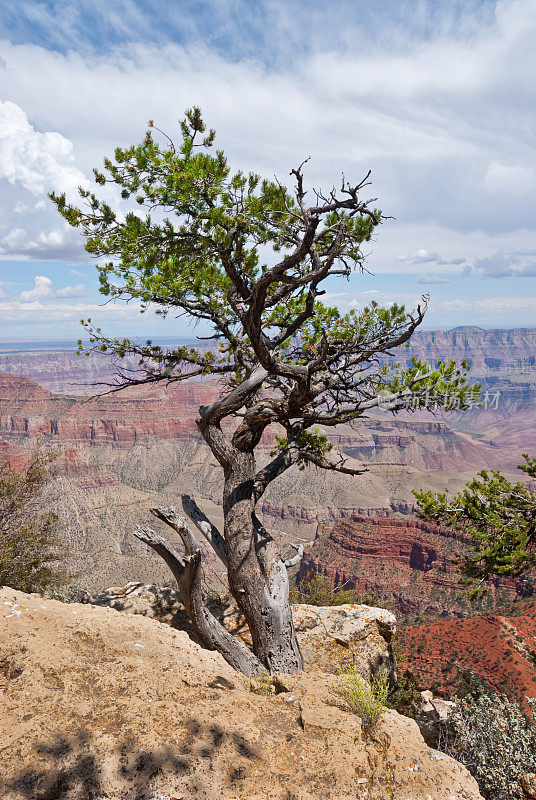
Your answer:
<point x="101" y="704"/>
<point x="331" y="637"/>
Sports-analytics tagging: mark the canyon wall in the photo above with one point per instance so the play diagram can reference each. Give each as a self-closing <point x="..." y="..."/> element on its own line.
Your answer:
<point x="122" y="453"/>
<point x="408" y="561"/>
<point x="500" y="358"/>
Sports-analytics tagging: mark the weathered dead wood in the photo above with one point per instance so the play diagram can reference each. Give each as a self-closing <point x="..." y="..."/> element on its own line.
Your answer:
<point x="203" y="524"/>
<point x="187" y="572"/>
<point x="291" y="562"/>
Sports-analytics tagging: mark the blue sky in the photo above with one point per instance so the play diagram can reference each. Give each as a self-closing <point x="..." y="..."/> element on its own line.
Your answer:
<point x="437" y="98"/>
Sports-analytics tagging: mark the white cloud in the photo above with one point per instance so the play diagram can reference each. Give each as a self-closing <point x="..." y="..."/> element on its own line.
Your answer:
<point x="431" y="279"/>
<point x="441" y="109"/>
<point x="32" y="242"/>
<point x="422" y="256"/>
<point x="504" y="265"/>
<point x="37" y="162"/>
<point x="72" y="291"/>
<point x="509" y="179"/>
<point x="429" y="116"/>
<point x="450" y="243"/>
<point x="31" y="165"/>
<point x="25" y="310"/>
<point x="42" y="289"/>
<point x="508" y="305"/>
<point x="454" y="261"/>
<point x="13" y="241"/>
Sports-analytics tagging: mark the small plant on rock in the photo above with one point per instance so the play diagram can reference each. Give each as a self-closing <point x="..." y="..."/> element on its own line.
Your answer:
<point x="318" y="590"/>
<point x="367" y="700"/>
<point x="260" y="684"/>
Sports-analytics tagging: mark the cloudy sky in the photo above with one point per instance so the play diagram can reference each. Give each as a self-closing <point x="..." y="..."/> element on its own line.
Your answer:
<point x="436" y="97"/>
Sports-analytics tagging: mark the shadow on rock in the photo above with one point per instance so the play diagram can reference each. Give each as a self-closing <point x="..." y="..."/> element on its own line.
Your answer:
<point x="76" y="768"/>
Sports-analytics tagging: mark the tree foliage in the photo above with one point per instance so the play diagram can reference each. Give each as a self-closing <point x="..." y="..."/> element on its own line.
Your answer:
<point x="198" y="252"/>
<point x="497" y="516"/>
<point x="30" y="552"/>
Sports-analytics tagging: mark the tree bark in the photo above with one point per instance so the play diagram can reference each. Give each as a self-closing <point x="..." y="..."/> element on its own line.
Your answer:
<point x="257" y="574"/>
<point x="187" y="572"/>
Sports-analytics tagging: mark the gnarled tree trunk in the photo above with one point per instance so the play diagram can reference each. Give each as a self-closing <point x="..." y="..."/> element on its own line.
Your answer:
<point x="257" y="574"/>
<point x="187" y="572"/>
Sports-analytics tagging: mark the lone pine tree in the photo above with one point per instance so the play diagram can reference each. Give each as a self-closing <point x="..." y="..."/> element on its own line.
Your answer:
<point x="249" y="259"/>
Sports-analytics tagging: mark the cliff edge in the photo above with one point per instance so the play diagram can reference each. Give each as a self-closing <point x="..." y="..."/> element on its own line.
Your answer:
<point x="100" y="704"/>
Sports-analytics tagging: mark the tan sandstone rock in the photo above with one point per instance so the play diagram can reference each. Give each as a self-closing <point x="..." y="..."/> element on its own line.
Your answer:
<point x="331" y="637"/>
<point x="162" y="603"/>
<point x="336" y="637"/>
<point x="97" y="704"/>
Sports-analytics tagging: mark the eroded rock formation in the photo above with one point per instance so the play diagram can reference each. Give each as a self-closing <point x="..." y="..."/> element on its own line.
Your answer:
<point x="408" y="561"/>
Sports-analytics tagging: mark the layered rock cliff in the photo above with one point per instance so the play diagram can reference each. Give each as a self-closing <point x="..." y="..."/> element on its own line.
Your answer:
<point x="408" y="561"/>
<point x="500" y="358"/>
<point x="122" y="453"/>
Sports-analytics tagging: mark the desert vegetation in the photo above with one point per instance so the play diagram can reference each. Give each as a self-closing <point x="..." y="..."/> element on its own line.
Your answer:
<point x="499" y="519"/>
<point x="367" y="700"/>
<point x="31" y="548"/>
<point x="493" y="737"/>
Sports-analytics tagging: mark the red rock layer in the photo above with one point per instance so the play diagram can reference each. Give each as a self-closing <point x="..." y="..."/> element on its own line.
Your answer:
<point x="409" y="561"/>
<point x="500" y="648"/>
<point x="156" y="411"/>
<point x="13" y="456"/>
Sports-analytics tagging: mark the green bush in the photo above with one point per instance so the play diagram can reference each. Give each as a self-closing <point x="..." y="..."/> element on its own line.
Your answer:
<point x="364" y="699"/>
<point x="30" y="550"/>
<point x="494" y="739"/>
<point x="317" y="590"/>
<point x="405" y="696"/>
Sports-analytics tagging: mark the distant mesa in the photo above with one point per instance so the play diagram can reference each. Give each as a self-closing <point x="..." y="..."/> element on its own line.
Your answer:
<point x="465" y="328"/>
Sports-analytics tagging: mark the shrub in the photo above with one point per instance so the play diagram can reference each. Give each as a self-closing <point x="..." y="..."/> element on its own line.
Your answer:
<point x="364" y="699"/>
<point x="30" y="553"/>
<point x="260" y="684"/>
<point x="494" y="739"/>
<point x="405" y="696"/>
<point x="317" y="590"/>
